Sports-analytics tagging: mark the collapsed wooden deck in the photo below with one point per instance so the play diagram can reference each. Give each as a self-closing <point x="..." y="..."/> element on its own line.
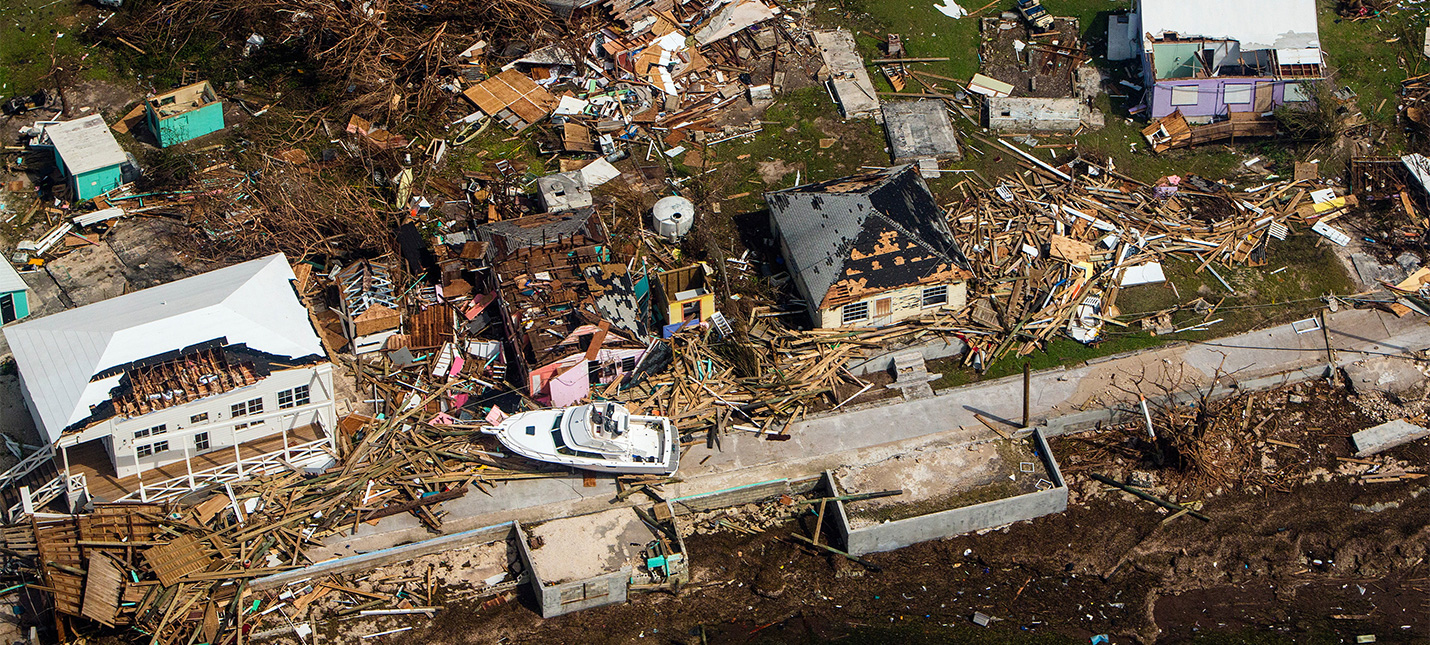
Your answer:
<point x="1173" y="131"/>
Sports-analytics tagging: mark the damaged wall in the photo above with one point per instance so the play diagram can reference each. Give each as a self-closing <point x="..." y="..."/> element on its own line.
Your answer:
<point x="900" y="305"/>
<point x="1041" y="115"/>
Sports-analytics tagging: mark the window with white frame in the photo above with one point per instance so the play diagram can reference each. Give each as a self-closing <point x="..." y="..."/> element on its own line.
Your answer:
<point x="158" y="429"/>
<point x="250" y="424"/>
<point x="201" y="442"/>
<point x="245" y="408"/>
<point x="152" y="448"/>
<point x="294" y="397"/>
<point x="936" y="296"/>
<point x="1184" y="95"/>
<point x="1297" y="93"/>
<point x="201" y="417"/>
<point x="855" y="312"/>
<point x="1236" y="93"/>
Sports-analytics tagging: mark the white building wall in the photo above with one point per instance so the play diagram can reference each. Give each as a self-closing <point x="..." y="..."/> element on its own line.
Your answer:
<point x="220" y="424"/>
<point x="904" y="303"/>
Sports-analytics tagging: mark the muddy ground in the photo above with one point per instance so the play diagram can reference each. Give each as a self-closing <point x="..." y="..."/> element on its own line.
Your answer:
<point x="1324" y="559"/>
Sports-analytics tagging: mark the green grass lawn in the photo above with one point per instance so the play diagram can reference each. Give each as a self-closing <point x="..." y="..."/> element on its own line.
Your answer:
<point x="31" y="31"/>
<point x="793" y="128"/>
<point x="1373" y="56"/>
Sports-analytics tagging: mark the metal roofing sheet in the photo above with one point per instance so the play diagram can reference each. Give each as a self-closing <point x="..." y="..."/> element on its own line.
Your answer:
<point x="85" y="144"/>
<point x="1265" y="24"/>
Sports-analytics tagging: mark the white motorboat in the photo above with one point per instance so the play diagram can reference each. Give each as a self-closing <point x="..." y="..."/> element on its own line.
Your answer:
<point x="603" y="437"/>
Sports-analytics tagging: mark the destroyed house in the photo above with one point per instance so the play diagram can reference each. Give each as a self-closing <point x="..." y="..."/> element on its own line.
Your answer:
<point x="574" y="317"/>
<point x="369" y="306"/>
<point x="171" y="388"/>
<point x="686" y="297"/>
<point x="869" y="250"/>
<point x="1214" y="59"/>
<point x="14" y="295"/>
<point x="512" y="98"/>
<point x="186" y="113"/>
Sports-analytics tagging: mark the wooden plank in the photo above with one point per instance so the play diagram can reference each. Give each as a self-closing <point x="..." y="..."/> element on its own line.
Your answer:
<point x="177" y="559"/>
<point x="102" y="585"/>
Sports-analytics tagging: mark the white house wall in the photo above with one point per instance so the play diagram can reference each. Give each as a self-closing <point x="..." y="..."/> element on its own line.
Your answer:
<point x="221" y="423"/>
<point x="905" y="303"/>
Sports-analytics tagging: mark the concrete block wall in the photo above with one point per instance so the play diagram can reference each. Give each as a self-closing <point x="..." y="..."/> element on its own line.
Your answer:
<point x="933" y="526"/>
<point x="883" y="360"/>
<point x="573" y="595"/>
<point x="384" y="557"/>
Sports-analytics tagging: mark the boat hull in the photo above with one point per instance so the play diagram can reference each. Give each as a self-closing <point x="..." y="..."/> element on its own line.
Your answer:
<point x="508" y="434"/>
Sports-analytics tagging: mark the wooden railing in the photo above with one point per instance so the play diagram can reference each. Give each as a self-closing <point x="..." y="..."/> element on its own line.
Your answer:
<point x="27" y="465"/>
<point x="45" y="493"/>
<point x="299" y="455"/>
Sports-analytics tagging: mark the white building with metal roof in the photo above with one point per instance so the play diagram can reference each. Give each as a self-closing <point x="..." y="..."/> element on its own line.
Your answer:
<point x="186" y="372"/>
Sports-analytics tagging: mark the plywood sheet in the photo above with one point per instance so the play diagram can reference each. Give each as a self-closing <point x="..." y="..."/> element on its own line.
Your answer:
<point x="177" y="559"/>
<point x="102" y="584"/>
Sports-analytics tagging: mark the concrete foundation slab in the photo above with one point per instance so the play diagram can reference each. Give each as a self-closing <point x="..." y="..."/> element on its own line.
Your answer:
<point x="1037" y="115"/>
<point x="890" y="531"/>
<point x="1387" y="375"/>
<point x="587" y="546"/>
<point x="1386" y="436"/>
<point x="919" y="130"/>
<point x="848" y="79"/>
<point x="583" y="562"/>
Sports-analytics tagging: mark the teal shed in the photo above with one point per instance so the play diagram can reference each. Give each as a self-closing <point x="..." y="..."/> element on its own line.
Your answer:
<point x="85" y="150"/>
<point x="14" y="295"/>
<point x="187" y="113"/>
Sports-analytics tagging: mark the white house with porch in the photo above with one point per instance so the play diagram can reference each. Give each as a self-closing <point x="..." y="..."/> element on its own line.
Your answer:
<point x="162" y="391"/>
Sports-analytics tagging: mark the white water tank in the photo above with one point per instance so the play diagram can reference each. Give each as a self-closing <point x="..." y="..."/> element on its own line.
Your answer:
<point x="673" y="216"/>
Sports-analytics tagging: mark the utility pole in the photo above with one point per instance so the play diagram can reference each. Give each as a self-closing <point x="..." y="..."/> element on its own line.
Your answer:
<point x="1027" y="385"/>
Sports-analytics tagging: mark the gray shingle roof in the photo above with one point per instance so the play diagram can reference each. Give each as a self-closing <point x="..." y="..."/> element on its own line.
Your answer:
<point x="877" y="231"/>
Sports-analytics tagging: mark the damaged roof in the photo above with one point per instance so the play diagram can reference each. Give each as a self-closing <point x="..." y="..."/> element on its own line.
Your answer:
<point x="1265" y="24"/>
<point x="66" y="360"/>
<point x="85" y="144"/>
<point x="512" y="90"/>
<point x="865" y="234"/>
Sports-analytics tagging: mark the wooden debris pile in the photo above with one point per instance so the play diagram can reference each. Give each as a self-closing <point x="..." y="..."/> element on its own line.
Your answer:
<point x="177" y="573"/>
<point x="1050" y="257"/>
<point x="768" y="380"/>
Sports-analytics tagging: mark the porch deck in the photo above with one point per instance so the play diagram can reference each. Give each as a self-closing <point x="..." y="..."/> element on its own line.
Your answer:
<point x="91" y="459"/>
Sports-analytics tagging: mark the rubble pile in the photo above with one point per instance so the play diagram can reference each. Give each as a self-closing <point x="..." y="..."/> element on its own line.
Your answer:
<point x="1050" y="253"/>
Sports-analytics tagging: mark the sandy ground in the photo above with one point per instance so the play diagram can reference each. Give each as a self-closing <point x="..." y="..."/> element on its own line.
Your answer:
<point x="939" y="477"/>
<point x="582" y="547"/>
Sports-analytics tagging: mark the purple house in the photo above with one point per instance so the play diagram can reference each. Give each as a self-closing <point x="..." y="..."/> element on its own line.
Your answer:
<point x="1213" y="58"/>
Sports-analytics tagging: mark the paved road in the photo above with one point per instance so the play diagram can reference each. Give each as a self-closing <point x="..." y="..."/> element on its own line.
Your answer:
<point x="874" y="433"/>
